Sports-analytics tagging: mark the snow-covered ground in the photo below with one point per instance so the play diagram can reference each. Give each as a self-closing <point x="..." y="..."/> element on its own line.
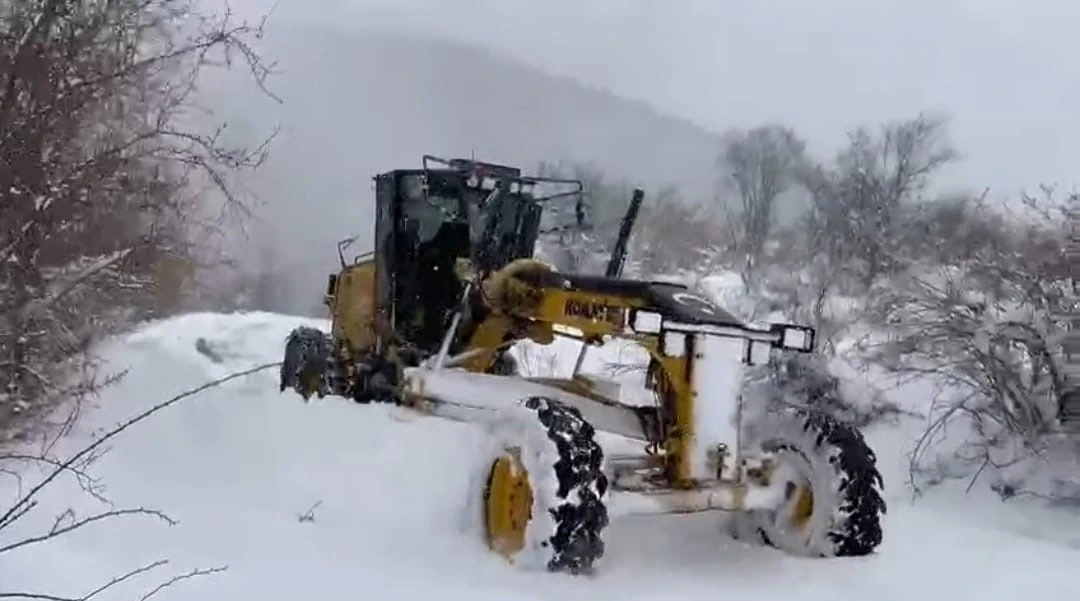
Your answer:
<point x="238" y="465"/>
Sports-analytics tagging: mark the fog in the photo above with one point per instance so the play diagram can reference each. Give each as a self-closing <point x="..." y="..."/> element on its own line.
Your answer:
<point x="638" y="88"/>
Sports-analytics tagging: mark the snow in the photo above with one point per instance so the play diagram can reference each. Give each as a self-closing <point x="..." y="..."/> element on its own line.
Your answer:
<point x="238" y="465"/>
<point x="719" y="380"/>
<point x="478" y="397"/>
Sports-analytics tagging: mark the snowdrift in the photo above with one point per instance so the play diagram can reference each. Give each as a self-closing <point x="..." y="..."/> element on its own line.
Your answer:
<point x="332" y="499"/>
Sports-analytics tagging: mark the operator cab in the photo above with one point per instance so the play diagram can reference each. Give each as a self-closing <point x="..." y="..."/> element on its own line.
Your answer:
<point x="431" y="219"/>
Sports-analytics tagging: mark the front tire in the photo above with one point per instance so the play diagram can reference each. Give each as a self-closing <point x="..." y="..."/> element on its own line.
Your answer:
<point x="833" y="501"/>
<point x="542" y="490"/>
<point x="308" y="364"/>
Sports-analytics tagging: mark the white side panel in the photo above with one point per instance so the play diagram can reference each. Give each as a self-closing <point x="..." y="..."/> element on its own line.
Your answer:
<point x="717" y="377"/>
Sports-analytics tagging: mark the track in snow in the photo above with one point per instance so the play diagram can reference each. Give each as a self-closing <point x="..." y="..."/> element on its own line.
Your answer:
<point x="238" y="465"/>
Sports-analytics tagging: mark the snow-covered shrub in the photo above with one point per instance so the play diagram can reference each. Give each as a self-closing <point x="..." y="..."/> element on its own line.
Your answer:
<point x="989" y="328"/>
<point x="814" y="381"/>
<point x="676" y="238"/>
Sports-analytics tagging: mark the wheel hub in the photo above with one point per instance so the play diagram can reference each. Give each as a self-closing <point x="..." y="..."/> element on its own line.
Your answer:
<point x="798" y="505"/>
<point x="507" y="504"/>
<point x="802" y="507"/>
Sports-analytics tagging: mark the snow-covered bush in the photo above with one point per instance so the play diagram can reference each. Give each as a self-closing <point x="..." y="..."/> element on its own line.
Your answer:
<point x="676" y="238"/>
<point x="814" y="381"/>
<point x="988" y="327"/>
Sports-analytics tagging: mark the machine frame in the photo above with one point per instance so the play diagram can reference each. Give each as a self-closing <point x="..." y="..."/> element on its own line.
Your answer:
<point x="696" y="369"/>
<point x="687" y="449"/>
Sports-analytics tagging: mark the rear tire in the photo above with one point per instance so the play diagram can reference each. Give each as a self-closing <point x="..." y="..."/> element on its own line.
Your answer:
<point x="562" y="485"/>
<point x="841" y="516"/>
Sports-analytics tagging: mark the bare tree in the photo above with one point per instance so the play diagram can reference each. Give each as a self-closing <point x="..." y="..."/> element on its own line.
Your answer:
<point x="857" y="201"/>
<point x="758" y="166"/>
<point x="106" y="174"/>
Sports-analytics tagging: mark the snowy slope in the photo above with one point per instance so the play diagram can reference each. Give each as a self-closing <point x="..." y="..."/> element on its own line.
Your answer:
<point x="237" y="465"/>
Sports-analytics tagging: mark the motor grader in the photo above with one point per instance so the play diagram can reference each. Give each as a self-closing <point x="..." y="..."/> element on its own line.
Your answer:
<point x="429" y="319"/>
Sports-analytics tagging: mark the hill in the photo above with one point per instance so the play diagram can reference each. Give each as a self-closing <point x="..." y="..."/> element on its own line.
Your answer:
<point x="356" y="103"/>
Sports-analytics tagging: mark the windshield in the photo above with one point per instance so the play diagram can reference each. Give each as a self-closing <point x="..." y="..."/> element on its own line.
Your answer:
<point x="428" y="211"/>
<point x="563" y="206"/>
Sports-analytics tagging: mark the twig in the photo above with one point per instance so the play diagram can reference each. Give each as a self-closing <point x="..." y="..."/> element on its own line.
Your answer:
<point x="182" y="577"/>
<point x="111" y="583"/>
<point x="309" y="515"/>
<point x="57" y="530"/>
<point x="120" y="579"/>
<point x="87" y="482"/>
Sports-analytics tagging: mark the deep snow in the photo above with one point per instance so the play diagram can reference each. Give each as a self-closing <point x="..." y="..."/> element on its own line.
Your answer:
<point x="238" y="465"/>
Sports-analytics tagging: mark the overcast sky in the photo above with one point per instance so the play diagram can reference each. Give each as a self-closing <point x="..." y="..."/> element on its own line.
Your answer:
<point x="1008" y="75"/>
<point x="1006" y="72"/>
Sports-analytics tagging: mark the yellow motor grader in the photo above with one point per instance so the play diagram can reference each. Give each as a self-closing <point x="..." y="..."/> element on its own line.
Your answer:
<point x="428" y="321"/>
